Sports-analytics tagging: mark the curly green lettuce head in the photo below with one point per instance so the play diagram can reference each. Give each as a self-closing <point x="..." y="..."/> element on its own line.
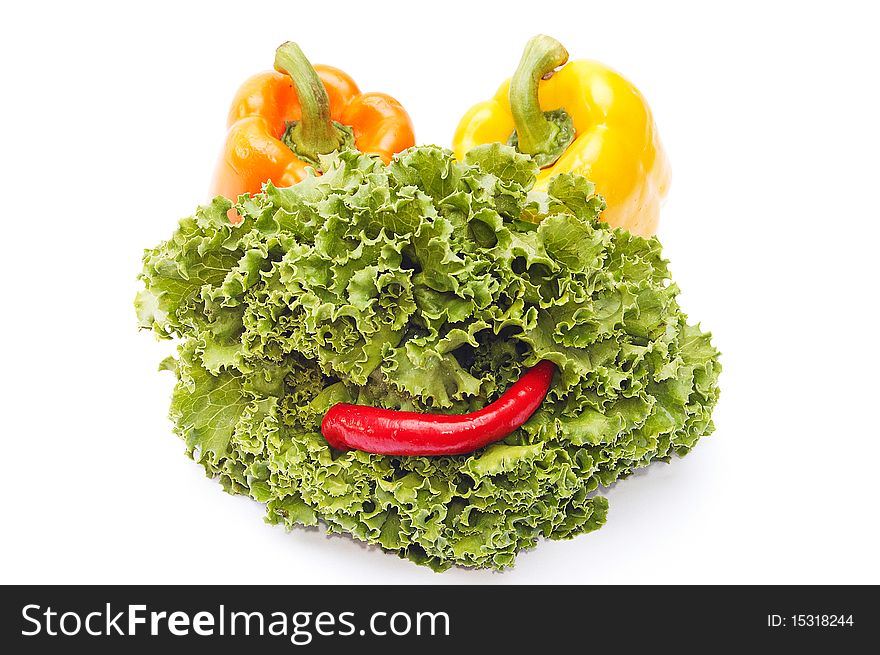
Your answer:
<point x="431" y="285"/>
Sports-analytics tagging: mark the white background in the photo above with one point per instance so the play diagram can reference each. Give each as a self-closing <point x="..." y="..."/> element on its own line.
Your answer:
<point x="111" y="119"/>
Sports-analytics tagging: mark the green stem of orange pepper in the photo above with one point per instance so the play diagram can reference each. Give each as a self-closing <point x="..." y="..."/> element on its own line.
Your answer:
<point x="315" y="133"/>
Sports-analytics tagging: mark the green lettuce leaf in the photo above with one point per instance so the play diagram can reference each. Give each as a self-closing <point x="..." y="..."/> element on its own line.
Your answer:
<point x="427" y="285"/>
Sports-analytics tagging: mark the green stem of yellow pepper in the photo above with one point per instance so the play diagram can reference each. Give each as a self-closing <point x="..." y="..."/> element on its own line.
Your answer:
<point x="544" y="135"/>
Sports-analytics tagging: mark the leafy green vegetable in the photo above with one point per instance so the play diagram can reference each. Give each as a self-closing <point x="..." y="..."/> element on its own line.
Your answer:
<point x="431" y="285"/>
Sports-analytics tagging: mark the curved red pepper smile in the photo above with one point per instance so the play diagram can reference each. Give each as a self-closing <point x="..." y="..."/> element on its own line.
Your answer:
<point x="390" y="432"/>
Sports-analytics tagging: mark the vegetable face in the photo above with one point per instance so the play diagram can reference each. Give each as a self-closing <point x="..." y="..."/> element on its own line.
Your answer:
<point x="597" y="124"/>
<point x="426" y="285"/>
<point x="281" y="122"/>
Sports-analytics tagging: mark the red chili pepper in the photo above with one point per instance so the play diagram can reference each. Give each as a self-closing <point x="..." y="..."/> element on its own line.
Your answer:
<point x="390" y="432"/>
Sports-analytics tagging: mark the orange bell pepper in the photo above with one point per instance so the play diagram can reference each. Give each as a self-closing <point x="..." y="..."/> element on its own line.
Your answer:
<point x="282" y="120"/>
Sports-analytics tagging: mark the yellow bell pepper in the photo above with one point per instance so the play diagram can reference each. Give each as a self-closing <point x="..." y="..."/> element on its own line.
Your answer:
<point x="598" y="125"/>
